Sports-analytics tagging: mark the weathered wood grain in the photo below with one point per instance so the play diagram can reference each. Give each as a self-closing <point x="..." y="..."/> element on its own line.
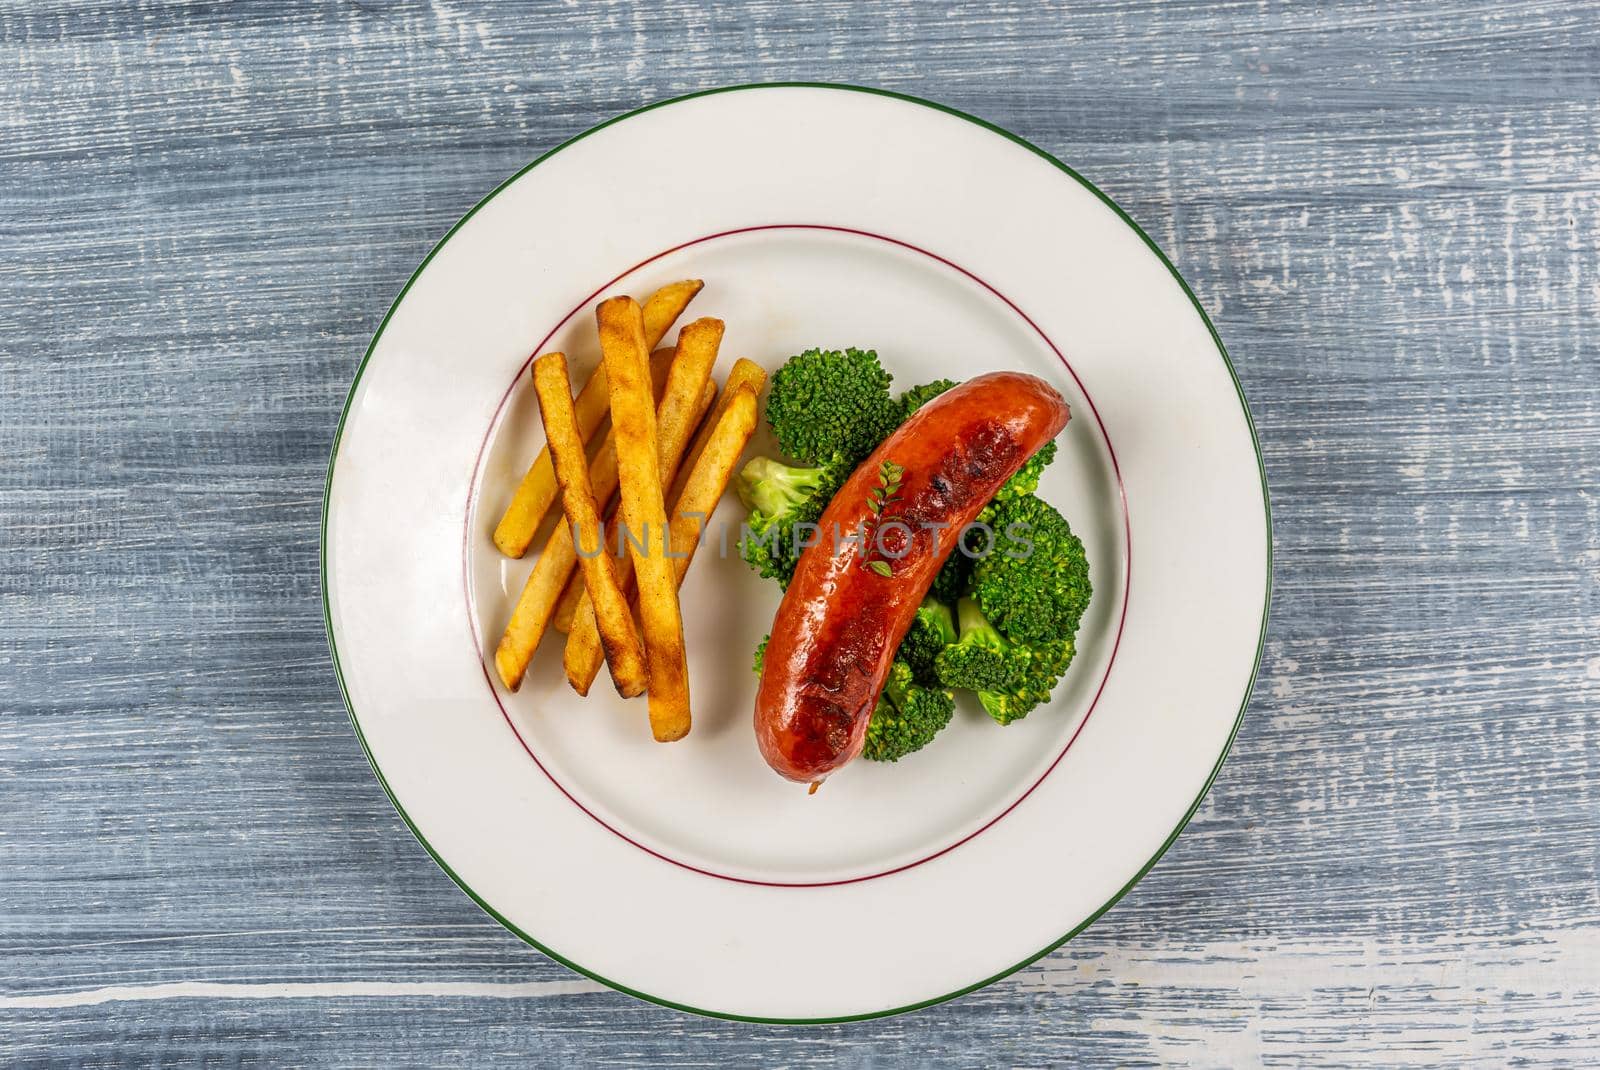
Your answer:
<point x="1393" y="213"/>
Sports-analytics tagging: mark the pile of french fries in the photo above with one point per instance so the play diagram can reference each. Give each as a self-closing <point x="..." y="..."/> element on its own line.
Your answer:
<point x="584" y="580"/>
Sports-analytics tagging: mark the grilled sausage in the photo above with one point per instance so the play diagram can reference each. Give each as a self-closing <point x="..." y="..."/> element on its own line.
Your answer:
<point x="835" y="633"/>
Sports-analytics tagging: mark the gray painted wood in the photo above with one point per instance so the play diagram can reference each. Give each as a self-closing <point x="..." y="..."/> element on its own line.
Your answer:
<point x="1391" y="211"/>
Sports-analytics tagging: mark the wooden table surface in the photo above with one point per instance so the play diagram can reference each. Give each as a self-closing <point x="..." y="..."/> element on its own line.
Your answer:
<point x="1391" y="211"/>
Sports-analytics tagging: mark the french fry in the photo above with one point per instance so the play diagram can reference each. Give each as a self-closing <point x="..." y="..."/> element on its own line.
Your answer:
<point x="660" y="361"/>
<point x="696" y="354"/>
<point x="583" y="637"/>
<point x="621" y="325"/>
<point x="662" y="309"/>
<point x="537" y="602"/>
<point x="708" y="479"/>
<point x="521" y="520"/>
<point x="567" y="605"/>
<point x="704" y="484"/>
<point x="531" y="616"/>
<point x="624" y="652"/>
<point x="744" y="373"/>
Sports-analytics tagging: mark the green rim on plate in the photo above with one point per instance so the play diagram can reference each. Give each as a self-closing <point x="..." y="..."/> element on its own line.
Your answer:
<point x="327" y="613"/>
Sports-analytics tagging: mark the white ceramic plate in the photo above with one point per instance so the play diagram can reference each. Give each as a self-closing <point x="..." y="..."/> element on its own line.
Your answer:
<point x="690" y="874"/>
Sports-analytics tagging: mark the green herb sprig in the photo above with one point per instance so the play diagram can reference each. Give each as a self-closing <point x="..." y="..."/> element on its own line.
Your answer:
<point x="881" y="501"/>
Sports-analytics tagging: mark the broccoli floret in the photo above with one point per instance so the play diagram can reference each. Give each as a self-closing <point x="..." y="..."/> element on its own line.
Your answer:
<point x="761" y="654"/>
<point x="1028" y="597"/>
<point x="907" y="716"/>
<point x="918" y="396"/>
<point x="1034" y="584"/>
<point x="831" y="408"/>
<point x="983" y="659"/>
<point x="1026" y="479"/>
<point x="933" y="629"/>
<point x="780" y="498"/>
<point x="1041" y="666"/>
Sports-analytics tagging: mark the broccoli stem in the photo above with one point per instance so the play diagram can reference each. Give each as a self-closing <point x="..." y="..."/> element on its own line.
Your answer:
<point x="937" y="616"/>
<point x="975" y="627"/>
<point x="772" y="487"/>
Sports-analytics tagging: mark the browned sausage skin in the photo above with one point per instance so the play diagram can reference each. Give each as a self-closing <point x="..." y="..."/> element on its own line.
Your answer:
<point x="835" y="633"/>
